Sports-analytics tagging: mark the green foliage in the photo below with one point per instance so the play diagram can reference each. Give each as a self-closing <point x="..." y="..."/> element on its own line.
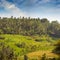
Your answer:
<point x="28" y="35"/>
<point x="57" y="49"/>
<point x="25" y="44"/>
<point x="29" y="26"/>
<point x="6" y="53"/>
<point x="20" y="45"/>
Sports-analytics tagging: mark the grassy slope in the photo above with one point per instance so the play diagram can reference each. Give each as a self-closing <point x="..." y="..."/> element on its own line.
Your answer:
<point x="30" y="44"/>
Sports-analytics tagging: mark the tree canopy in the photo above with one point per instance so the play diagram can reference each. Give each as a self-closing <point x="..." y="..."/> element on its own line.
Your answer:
<point x="29" y="26"/>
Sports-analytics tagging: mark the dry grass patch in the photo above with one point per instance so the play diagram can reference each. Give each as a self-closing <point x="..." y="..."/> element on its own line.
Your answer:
<point x="40" y="53"/>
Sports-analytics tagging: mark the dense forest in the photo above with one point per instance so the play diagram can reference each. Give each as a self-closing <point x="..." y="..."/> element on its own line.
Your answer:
<point x="29" y="26"/>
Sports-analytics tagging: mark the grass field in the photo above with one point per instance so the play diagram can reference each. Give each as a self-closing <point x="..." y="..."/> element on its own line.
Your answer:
<point x="33" y="46"/>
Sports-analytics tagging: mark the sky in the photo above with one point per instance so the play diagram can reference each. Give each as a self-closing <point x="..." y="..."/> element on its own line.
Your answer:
<point x="49" y="9"/>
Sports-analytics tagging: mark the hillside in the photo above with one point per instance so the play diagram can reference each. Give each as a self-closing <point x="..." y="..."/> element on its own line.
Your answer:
<point x="27" y="36"/>
<point x="22" y="45"/>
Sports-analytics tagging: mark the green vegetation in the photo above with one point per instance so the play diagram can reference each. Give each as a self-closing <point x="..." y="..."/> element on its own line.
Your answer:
<point x="57" y="49"/>
<point x="24" y="44"/>
<point x="7" y="53"/>
<point x="29" y="26"/>
<point x="21" y="36"/>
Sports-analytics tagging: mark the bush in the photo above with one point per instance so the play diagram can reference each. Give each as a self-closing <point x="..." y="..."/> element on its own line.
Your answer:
<point x="38" y="40"/>
<point x="57" y="49"/>
<point x="6" y="53"/>
<point x="20" y="45"/>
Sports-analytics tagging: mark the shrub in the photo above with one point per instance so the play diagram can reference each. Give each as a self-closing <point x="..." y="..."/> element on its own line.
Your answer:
<point x="6" y="53"/>
<point x="20" y="45"/>
<point x="38" y="40"/>
<point x="57" y="49"/>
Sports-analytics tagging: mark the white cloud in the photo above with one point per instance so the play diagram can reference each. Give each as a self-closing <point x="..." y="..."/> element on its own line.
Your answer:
<point x="11" y="9"/>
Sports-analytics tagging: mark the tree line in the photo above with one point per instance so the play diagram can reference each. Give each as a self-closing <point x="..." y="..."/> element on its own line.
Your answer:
<point x="29" y="26"/>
